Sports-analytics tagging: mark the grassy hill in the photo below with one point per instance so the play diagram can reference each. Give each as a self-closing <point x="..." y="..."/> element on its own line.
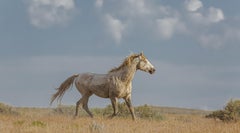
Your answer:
<point x="176" y="110"/>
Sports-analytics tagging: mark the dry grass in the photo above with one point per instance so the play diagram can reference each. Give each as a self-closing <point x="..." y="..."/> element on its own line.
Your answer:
<point x="65" y="124"/>
<point x="34" y="120"/>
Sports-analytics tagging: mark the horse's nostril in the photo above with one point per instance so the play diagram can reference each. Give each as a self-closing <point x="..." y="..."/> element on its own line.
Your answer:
<point x="152" y="71"/>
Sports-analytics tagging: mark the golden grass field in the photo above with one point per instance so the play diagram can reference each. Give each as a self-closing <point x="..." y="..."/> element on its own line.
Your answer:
<point x="43" y="120"/>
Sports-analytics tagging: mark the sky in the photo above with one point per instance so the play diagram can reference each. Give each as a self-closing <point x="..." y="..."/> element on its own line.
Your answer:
<point x="193" y="44"/>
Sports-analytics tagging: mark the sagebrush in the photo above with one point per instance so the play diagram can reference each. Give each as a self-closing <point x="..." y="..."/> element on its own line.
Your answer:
<point x="6" y="109"/>
<point x="231" y="112"/>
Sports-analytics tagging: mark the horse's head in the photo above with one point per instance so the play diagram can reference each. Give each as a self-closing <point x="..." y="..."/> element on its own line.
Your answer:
<point x="144" y="64"/>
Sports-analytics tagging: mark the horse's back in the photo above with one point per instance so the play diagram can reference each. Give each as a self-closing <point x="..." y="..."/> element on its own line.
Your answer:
<point x="93" y="83"/>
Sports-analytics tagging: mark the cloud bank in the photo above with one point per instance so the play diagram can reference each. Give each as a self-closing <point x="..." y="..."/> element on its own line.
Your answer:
<point x="126" y="18"/>
<point x="46" y="13"/>
<point x="162" y="21"/>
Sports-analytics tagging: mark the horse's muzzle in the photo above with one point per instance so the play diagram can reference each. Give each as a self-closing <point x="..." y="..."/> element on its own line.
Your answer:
<point x="152" y="71"/>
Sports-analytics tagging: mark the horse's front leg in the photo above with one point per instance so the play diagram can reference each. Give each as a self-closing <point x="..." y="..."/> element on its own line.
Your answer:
<point x="114" y="101"/>
<point x="129" y="104"/>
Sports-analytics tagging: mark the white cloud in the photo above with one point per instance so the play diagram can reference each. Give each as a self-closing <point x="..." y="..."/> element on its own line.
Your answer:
<point x="137" y="7"/>
<point x="115" y="27"/>
<point x="169" y="26"/>
<point x="166" y="27"/>
<point x="45" y="13"/>
<point x="211" y="16"/>
<point x="99" y="3"/>
<point x="137" y="15"/>
<point x="121" y="15"/>
<point x="193" y="5"/>
<point x="215" y="15"/>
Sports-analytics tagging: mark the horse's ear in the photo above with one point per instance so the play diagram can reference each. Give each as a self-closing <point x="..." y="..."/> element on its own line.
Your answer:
<point x="141" y="54"/>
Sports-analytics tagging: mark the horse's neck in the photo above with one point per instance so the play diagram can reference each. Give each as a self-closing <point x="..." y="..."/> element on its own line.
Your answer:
<point x="126" y="74"/>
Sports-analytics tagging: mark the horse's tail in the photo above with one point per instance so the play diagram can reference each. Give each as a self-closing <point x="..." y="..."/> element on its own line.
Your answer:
<point x="63" y="87"/>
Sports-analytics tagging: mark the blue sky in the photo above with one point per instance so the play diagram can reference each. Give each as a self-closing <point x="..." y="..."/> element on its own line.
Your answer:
<point x="194" y="45"/>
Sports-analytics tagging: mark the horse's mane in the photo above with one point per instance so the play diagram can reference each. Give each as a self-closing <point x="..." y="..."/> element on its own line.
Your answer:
<point x="127" y="61"/>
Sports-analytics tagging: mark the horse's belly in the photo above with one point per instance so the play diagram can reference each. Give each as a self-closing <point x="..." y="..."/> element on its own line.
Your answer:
<point x="100" y="90"/>
<point x="102" y="95"/>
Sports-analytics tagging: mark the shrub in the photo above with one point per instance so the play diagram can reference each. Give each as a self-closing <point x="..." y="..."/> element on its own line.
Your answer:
<point x="145" y="111"/>
<point x="6" y="109"/>
<point x="108" y="110"/>
<point x="38" y="124"/>
<point x="231" y="112"/>
<point x="19" y="122"/>
<point x="64" y="110"/>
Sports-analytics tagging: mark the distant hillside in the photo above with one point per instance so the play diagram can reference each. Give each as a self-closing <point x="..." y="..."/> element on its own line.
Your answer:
<point x="69" y="110"/>
<point x="176" y="110"/>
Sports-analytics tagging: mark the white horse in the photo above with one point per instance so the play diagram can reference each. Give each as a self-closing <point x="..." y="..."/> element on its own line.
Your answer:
<point x="117" y="83"/>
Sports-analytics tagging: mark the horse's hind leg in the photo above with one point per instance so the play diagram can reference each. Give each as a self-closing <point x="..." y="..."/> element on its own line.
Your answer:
<point x="80" y="102"/>
<point x="85" y="104"/>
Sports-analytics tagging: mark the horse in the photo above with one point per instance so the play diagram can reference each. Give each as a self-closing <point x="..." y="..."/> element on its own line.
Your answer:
<point x="117" y="83"/>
